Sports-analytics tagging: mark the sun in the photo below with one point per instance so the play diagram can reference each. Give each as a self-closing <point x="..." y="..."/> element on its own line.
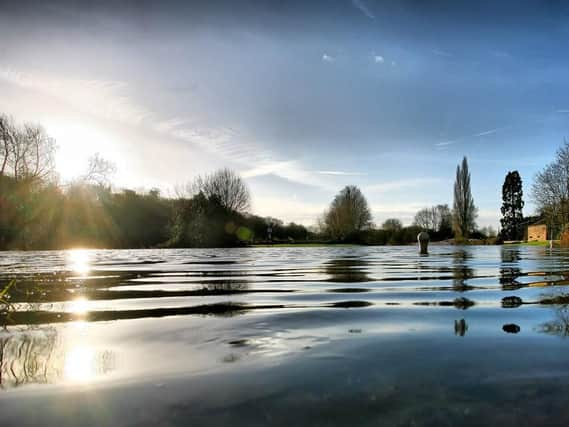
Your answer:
<point x="76" y="142"/>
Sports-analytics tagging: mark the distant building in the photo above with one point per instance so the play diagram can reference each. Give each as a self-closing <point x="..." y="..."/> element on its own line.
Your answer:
<point x="537" y="233"/>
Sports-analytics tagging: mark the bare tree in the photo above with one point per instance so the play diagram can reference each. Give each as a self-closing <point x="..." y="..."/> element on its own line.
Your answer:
<point x="464" y="211"/>
<point x="28" y="152"/>
<point x="227" y="187"/>
<point x="99" y="171"/>
<point x="426" y="219"/>
<point x="38" y="161"/>
<point x="550" y="190"/>
<point x="7" y="139"/>
<point x="348" y="212"/>
<point x="435" y="218"/>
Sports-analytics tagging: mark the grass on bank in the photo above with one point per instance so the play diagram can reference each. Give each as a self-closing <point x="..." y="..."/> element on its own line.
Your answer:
<point x="542" y="244"/>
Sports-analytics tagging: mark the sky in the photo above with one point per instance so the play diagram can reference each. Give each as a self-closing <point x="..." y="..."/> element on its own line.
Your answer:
<point x="301" y="98"/>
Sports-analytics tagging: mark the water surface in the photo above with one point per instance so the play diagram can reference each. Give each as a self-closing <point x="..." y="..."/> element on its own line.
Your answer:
<point x="258" y="336"/>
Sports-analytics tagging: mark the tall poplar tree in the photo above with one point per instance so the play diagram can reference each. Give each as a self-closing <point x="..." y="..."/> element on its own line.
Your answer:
<point x="464" y="211"/>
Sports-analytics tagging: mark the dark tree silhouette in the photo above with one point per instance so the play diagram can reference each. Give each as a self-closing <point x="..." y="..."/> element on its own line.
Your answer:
<point x="227" y="187"/>
<point x="512" y="206"/>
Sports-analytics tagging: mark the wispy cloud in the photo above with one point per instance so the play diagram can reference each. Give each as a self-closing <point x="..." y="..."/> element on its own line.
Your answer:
<point x="378" y="59"/>
<point x="444" y="144"/>
<point x="109" y="100"/>
<point x="328" y="58"/>
<point x="290" y="208"/>
<point x="268" y="168"/>
<point x="401" y="184"/>
<point x="363" y="7"/>
<point x="291" y="170"/>
<point x="488" y="132"/>
<point x="89" y="96"/>
<point x="440" y="52"/>
<point x="340" y="173"/>
<point x="562" y="111"/>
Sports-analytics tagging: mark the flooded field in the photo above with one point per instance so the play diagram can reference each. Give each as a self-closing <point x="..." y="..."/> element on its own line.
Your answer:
<point x="285" y="336"/>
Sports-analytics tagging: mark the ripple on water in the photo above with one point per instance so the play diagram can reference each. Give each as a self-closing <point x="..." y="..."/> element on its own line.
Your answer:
<point x="338" y="322"/>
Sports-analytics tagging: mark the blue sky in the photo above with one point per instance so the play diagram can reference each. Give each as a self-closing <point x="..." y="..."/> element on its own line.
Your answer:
<point x="300" y="97"/>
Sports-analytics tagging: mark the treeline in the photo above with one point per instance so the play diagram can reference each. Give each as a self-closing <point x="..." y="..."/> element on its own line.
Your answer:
<point x="36" y="215"/>
<point x="349" y="219"/>
<point x="36" y="212"/>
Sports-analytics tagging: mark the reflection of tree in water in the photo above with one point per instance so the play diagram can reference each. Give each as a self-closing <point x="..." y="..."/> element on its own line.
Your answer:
<point x="28" y="357"/>
<point x="461" y="271"/>
<point x="225" y="286"/>
<point x="460" y="327"/>
<point x="559" y="325"/>
<point x="347" y="270"/>
<point x="509" y="270"/>
<point x="7" y="310"/>
<point x="511" y="328"/>
<point x="38" y="356"/>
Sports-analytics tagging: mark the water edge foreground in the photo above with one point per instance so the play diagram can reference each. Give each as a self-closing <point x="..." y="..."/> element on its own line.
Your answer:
<point x="258" y="336"/>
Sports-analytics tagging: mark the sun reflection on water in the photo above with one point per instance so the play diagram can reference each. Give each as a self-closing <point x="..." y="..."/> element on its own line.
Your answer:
<point x="79" y="365"/>
<point x="78" y="261"/>
<point x="79" y="306"/>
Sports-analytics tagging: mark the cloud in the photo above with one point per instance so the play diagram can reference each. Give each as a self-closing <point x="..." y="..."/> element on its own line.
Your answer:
<point x="363" y="7"/>
<point x="327" y="58"/>
<point x="291" y="170"/>
<point x="385" y="187"/>
<point x="488" y="217"/>
<point x="488" y="132"/>
<point x="100" y="98"/>
<point x="445" y="143"/>
<point x="403" y="211"/>
<point x="562" y="111"/>
<point x="440" y="52"/>
<point x="378" y="59"/>
<point x="289" y="209"/>
<point x="109" y="100"/>
<point x="268" y="168"/>
<point x="341" y="173"/>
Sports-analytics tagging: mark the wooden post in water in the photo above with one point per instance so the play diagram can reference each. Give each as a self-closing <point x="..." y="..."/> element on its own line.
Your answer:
<point x="423" y="239"/>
